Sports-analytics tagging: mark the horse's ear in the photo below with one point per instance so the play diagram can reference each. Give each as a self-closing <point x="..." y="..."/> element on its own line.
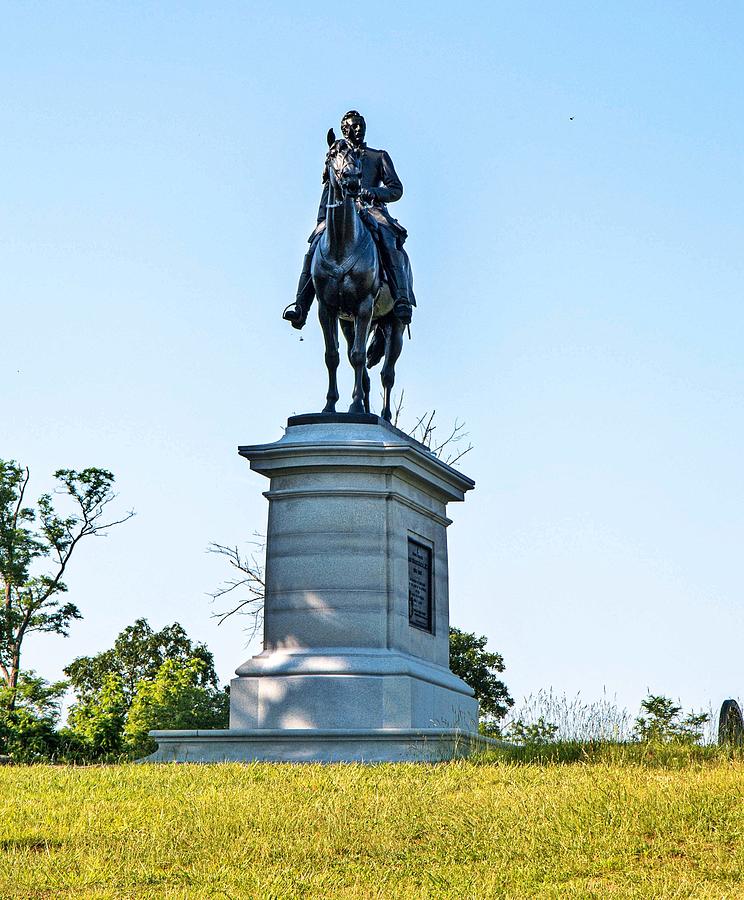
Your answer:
<point x="331" y="137"/>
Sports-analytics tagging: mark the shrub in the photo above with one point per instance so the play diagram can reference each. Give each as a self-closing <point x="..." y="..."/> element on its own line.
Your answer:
<point x="173" y="699"/>
<point x="28" y="717"/>
<point x="663" y="723"/>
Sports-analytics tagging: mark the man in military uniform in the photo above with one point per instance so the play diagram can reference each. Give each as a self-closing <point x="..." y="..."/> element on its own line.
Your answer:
<point x="379" y="186"/>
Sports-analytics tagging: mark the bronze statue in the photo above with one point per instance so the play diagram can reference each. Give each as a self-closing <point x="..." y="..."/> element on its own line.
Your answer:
<point x="356" y="264"/>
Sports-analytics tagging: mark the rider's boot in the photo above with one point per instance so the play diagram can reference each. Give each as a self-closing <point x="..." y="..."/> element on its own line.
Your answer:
<point x="403" y="310"/>
<point x="296" y="314"/>
<point x="392" y="260"/>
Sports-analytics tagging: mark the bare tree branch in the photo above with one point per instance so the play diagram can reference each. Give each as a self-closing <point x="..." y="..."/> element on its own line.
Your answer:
<point x="424" y="430"/>
<point x="451" y="460"/>
<point x="397" y="409"/>
<point x="456" y="435"/>
<point x="250" y="582"/>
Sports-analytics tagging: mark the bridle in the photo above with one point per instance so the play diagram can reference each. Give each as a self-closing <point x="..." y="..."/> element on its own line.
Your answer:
<point x="337" y="150"/>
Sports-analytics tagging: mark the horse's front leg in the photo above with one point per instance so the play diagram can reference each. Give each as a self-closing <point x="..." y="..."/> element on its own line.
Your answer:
<point x="358" y="356"/>
<point x="329" y="324"/>
<point x="347" y="328"/>
<point x="393" y="345"/>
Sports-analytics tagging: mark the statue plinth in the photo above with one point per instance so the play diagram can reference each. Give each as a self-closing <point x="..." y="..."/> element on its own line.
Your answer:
<point x="355" y="664"/>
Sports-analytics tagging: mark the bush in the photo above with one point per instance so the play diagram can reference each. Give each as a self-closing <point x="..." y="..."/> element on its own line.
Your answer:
<point x="663" y="723"/>
<point x="173" y="699"/>
<point x="532" y="734"/>
<point x="96" y="724"/>
<point x="28" y="718"/>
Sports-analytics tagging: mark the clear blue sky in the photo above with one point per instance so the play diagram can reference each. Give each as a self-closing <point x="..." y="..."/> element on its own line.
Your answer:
<point x="579" y="284"/>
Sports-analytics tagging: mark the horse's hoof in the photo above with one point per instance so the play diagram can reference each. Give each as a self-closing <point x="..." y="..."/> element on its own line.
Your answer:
<point x="329" y="408"/>
<point x="357" y="408"/>
<point x="387" y="415"/>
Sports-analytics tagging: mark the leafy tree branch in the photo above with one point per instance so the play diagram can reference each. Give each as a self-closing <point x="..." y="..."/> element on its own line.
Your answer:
<point x="43" y="539"/>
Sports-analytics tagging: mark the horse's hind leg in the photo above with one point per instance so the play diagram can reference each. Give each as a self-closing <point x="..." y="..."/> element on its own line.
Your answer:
<point x="347" y="328"/>
<point x="358" y="356"/>
<point x="393" y="346"/>
<point x="329" y="324"/>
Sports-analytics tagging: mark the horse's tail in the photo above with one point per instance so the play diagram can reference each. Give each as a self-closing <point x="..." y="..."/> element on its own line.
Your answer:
<point x="377" y="344"/>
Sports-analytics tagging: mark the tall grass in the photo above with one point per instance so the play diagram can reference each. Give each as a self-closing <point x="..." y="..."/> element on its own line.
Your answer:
<point x="576" y="719"/>
<point x="599" y="732"/>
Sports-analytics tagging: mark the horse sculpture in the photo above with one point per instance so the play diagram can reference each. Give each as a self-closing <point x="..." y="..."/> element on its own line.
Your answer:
<point x="348" y="282"/>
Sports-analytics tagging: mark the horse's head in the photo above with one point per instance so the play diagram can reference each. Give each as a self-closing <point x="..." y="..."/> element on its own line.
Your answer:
<point x="344" y="167"/>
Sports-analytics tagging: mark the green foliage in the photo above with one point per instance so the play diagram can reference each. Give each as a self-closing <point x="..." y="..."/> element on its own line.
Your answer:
<point x="95" y="725"/>
<point x="138" y="653"/>
<point x="148" y="679"/>
<point x="28" y="718"/>
<point x="663" y="722"/>
<point x="175" y="698"/>
<point x="32" y="598"/>
<point x="531" y="734"/>
<point x="478" y="667"/>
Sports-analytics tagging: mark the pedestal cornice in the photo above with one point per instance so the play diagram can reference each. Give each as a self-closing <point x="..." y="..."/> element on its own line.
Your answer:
<point x="322" y="443"/>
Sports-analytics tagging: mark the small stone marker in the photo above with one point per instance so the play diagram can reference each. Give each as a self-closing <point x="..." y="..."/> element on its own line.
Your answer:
<point x="730" y="723"/>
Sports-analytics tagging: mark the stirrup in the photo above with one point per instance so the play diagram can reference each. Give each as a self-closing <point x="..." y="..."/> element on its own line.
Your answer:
<point x="295" y="315"/>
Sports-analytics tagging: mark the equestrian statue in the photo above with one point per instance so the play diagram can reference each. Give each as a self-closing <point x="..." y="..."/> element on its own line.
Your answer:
<point x="356" y="266"/>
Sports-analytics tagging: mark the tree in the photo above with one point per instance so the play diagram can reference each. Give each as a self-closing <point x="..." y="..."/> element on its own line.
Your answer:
<point x="531" y="734"/>
<point x="173" y="699"/>
<point x="478" y="667"/>
<point x="138" y="653"/>
<point x="148" y="679"/>
<point x="32" y="599"/>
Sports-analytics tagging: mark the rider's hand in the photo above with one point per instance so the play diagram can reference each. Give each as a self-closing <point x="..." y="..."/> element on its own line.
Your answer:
<point x="368" y="195"/>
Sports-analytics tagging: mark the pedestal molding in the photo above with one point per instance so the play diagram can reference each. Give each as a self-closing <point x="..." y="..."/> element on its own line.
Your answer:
<point x="425" y="745"/>
<point x="351" y="662"/>
<point x="288" y="455"/>
<point x="293" y="493"/>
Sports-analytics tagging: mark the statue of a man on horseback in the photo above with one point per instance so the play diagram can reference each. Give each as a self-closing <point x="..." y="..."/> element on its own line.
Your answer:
<point x="357" y="267"/>
<point x="380" y="185"/>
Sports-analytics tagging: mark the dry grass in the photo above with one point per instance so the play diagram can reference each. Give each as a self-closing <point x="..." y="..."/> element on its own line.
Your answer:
<point x="461" y="830"/>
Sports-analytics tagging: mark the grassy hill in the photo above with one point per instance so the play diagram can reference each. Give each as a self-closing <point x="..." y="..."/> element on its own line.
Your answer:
<point x="461" y="830"/>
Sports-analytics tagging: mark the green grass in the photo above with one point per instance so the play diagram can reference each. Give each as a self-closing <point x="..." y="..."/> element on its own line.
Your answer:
<point x="617" y="828"/>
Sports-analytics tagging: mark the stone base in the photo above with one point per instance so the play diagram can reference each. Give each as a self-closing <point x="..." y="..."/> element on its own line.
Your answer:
<point x="349" y="689"/>
<point x="355" y="660"/>
<point x="312" y="746"/>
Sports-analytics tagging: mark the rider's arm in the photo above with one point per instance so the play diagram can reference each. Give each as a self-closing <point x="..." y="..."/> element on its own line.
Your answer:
<point x="392" y="188"/>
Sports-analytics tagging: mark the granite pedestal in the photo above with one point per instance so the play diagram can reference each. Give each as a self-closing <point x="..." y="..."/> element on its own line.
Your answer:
<point x="355" y="663"/>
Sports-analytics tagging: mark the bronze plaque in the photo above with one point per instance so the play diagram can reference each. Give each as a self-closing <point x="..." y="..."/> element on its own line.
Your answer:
<point x="419" y="586"/>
